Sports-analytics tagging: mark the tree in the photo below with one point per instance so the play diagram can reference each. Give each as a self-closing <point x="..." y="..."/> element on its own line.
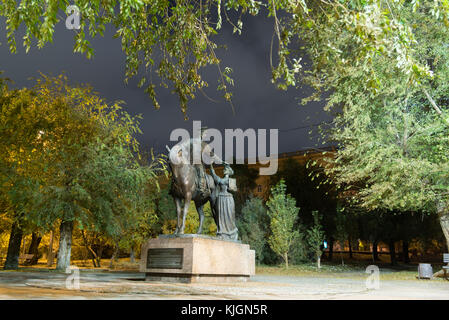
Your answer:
<point x="92" y="241"/>
<point x="246" y="183"/>
<point x="306" y="183"/>
<point x="183" y="32"/>
<point x="283" y="214"/>
<point x="72" y="158"/>
<point x="393" y="153"/>
<point x="15" y="239"/>
<point x="372" y="229"/>
<point x="315" y="238"/>
<point x="36" y="239"/>
<point x="172" y="38"/>
<point x="252" y="227"/>
<point x="166" y="212"/>
<point x="20" y="164"/>
<point x="341" y="234"/>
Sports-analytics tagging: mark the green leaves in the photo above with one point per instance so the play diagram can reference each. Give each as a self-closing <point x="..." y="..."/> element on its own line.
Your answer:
<point x="340" y="36"/>
<point x="315" y="235"/>
<point x="180" y="31"/>
<point x="283" y="213"/>
<point x="252" y="228"/>
<point x="70" y="155"/>
<point x="393" y="142"/>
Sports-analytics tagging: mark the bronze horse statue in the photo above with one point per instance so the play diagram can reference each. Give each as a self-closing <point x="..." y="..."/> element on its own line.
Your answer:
<point x="190" y="182"/>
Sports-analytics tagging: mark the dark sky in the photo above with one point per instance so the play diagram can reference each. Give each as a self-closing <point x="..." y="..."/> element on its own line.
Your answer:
<point x="258" y="104"/>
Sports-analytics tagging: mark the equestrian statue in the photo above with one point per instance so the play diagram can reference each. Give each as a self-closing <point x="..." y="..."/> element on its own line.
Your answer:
<point x="191" y="182"/>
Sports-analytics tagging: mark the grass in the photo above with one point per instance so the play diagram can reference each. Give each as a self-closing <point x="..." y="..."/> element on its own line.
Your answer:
<point x="311" y="270"/>
<point x="122" y="264"/>
<point x="354" y="270"/>
<point x="125" y="265"/>
<point x="307" y="269"/>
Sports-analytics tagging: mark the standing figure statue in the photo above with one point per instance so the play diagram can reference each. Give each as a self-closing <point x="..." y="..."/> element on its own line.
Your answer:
<point x="191" y="182"/>
<point x="224" y="205"/>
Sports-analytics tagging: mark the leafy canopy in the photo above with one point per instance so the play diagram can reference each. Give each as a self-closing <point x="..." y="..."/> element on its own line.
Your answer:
<point x="176" y="38"/>
<point x="393" y="142"/>
<point x="68" y="155"/>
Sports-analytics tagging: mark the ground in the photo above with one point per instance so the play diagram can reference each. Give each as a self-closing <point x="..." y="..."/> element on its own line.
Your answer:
<point x="301" y="282"/>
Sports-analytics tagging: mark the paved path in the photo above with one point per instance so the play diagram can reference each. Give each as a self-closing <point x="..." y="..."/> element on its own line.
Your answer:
<point x="119" y="285"/>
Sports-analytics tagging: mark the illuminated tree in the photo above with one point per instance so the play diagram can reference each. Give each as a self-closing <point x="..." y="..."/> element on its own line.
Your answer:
<point x="315" y="238"/>
<point x="393" y="142"/>
<point x="283" y="213"/>
<point x="71" y="158"/>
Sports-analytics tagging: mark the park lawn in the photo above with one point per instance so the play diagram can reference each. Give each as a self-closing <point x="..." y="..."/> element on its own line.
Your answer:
<point x="123" y="264"/>
<point x="356" y="271"/>
<point x="311" y="270"/>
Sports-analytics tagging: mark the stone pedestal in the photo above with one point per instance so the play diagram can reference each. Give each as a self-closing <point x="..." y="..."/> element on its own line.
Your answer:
<point x="195" y="258"/>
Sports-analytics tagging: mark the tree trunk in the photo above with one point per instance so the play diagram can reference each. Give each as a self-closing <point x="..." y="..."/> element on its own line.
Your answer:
<point x="131" y="256"/>
<point x="114" y="255"/>
<point x="286" y="260"/>
<point x="33" y="249"/>
<point x="65" y="245"/>
<point x="15" y="240"/>
<point x="50" y="250"/>
<point x="24" y="244"/>
<point x="392" y="253"/>
<point x="89" y="249"/>
<point x="405" y="251"/>
<point x="100" y="253"/>
<point x="318" y="262"/>
<point x="375" y="252"/>
<point x="331" y="249"/>
<point x="443" y="215"/>
<point x="350" y="248"/>
<point x="342" y="249"/>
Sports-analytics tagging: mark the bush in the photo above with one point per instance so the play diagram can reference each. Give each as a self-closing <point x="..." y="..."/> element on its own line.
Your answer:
<point x="251" y="226"/>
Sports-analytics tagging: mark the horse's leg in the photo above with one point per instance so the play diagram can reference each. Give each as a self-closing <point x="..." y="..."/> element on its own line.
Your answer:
<point x="178" y="204"/>
<point x="199" y="209"/>
<point x="187" y="199"/>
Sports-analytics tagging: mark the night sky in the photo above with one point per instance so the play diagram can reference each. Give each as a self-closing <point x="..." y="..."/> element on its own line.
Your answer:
<point x="258" y="104"/>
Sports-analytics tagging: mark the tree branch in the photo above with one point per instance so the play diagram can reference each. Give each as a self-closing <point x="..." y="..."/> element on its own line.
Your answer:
<point x="432" y="102"/>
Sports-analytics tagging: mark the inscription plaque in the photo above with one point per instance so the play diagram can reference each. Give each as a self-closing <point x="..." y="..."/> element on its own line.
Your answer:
<point x="165" y="258"/>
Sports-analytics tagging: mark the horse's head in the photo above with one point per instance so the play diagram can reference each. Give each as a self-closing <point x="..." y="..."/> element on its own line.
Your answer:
<point x="179" y="155"/>
<point x="193" y="151"/>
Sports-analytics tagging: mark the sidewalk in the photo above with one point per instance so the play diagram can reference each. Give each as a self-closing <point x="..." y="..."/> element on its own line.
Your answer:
<point x="121" y="285"/>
